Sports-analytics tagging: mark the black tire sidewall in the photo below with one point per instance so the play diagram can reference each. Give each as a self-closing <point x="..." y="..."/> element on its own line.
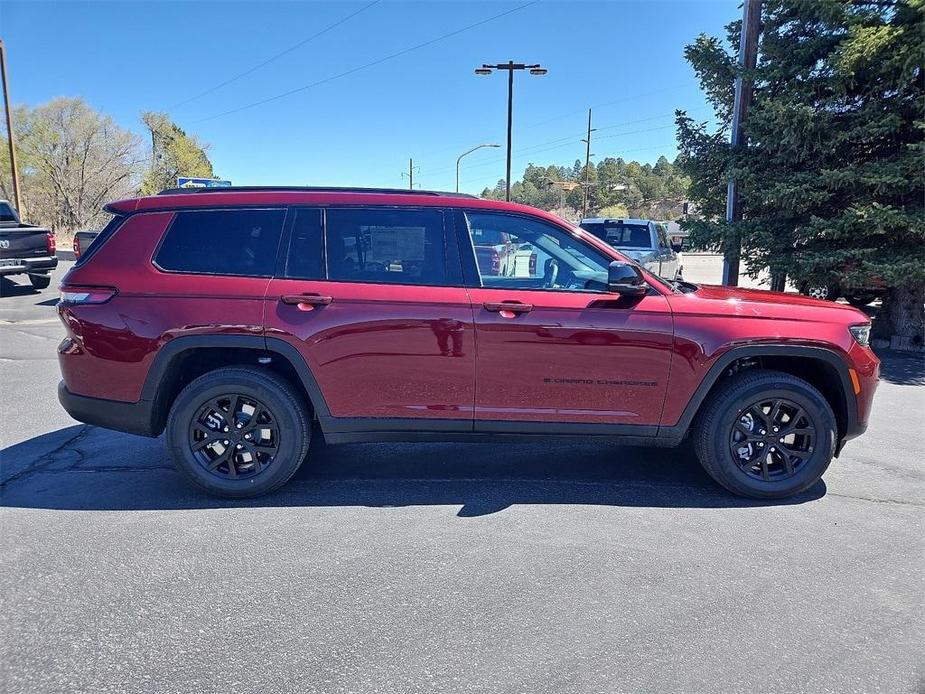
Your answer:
<point x="734" y="478"/>
<point x="40" y="281"/>
<point x="294" y="433"/>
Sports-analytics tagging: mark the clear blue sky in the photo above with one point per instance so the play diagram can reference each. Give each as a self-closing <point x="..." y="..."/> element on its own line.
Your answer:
<point x="623" y="58"/>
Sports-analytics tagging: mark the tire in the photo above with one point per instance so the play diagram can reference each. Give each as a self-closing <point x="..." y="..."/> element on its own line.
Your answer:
<point x="40" y="281"/>
<point x="829" y="292"/>
<point x="731" y="405"/>
<point x="277" y="412"/>
<point x="861" y="300"/>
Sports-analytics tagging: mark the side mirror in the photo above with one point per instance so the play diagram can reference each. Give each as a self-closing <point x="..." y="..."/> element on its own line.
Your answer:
<point x="625" y="279"/>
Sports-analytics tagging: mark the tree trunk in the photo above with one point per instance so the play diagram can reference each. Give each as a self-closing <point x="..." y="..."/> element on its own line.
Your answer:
<point x="902" y="315"/>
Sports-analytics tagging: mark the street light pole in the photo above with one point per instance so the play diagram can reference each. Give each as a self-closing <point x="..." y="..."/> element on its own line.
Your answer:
<point x="17" y="200"/>
<point x="510" y="66"/>
<point x="468" y="151"/>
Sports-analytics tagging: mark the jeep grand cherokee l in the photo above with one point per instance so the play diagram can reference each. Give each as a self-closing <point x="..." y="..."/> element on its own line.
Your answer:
<point x="234" y="319"/>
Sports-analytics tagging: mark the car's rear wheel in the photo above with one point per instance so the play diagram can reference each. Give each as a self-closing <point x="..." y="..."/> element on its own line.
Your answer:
<point x="766" y="434"/>
<point x="40" y="281"/>
<point x="238" y="432"/>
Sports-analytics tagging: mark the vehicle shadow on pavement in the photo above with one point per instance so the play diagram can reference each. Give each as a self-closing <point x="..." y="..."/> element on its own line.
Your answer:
<point x="87" y="468"/>
<point x="902" y="369"/>
<point x="10" y="288"/>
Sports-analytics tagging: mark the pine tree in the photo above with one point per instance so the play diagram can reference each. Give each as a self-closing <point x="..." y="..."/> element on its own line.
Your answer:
<point x="831" y="175"/>
<point x="173" y="154"/>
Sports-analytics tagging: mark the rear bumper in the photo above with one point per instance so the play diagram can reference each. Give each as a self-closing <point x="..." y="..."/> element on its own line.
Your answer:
<point x="30" y="266"/>
<point x="130" y="417"/>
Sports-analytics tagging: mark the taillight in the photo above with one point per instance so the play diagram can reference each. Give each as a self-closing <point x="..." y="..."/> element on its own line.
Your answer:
<point x="50" y="244"/>
<point x="76" y="248"/>
<point x="86" y="295"/>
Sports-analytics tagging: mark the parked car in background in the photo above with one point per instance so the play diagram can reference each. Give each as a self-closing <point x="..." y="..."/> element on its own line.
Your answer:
<point x="643" y="240"/>
<point x="233" y="319"/>
<point x="82" y="241"/>
<point x="859" y="296"/>
<point x="25" y="249"/>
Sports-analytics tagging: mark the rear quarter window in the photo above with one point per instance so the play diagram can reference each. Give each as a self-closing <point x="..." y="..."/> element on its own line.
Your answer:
<point x="222" y="242"/>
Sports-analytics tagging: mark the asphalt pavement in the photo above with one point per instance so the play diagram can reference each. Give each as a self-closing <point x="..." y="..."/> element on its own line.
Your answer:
<point x="448" y="567"/>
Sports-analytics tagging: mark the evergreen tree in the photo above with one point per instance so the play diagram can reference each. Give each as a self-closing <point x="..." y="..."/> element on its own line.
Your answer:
<point x="173" y="154"/>
<point x="830" y="177"/>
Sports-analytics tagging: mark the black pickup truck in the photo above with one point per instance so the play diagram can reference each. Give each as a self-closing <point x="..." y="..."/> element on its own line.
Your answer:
<point x="25" y="249"/>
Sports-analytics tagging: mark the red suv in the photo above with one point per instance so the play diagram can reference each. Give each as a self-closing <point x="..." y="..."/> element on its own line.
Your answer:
<point x="237" y="318"/>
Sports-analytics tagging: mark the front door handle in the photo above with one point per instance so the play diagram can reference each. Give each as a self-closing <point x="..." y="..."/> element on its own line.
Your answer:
<point x="510" y="307"/>
<point x="306" y="300"/>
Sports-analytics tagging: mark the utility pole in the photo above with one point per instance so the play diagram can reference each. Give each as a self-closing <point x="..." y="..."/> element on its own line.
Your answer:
<point x="748" y="58"/>
<point x="510" y="66"/>
<point x="17" y="200"/>
<point x="587" y="185"/>
<point x="410" y="174"/>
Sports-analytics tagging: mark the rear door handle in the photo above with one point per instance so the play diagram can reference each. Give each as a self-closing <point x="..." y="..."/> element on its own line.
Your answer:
<point x="306" y="299"/>
<point x="507" y="306"/>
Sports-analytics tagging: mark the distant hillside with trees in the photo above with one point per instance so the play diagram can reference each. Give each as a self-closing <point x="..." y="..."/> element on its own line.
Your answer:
<point x="617" y="188"/>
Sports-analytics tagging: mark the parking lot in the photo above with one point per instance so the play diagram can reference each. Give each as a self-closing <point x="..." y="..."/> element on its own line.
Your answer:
<point x="449" y="567"/>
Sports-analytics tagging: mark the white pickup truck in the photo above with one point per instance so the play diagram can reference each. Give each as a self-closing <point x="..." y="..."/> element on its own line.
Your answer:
<point x="641" y="240"/>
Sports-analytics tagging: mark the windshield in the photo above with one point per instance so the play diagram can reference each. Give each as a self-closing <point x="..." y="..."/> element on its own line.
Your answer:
<point x="620" y="235"/>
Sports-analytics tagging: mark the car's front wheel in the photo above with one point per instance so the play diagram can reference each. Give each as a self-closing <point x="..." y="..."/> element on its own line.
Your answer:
<point x="766" y="434"/>
<point x="238" y="432"/>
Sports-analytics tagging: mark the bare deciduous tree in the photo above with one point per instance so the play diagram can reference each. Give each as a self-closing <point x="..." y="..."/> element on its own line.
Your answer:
<point x="74" y="160"/>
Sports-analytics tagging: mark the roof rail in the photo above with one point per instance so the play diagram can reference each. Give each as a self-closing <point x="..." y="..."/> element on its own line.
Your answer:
<point x="311" y="189"/>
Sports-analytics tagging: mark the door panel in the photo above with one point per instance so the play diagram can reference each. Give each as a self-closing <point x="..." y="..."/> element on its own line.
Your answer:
<point x="379" y="342"/>
<point x="572" y="357"/>
<point x="382" y="351"/>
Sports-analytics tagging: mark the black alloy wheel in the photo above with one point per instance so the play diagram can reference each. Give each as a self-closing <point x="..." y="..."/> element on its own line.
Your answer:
<point x="772" y="439"/>
<point x="233" y="436"/>
<point x="239" y="431"/>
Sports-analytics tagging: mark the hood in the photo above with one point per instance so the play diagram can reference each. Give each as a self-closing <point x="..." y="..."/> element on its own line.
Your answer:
<point x="762" y="303"/>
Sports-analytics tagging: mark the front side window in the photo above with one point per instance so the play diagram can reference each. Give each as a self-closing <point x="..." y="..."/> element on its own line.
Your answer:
<point x="540" y="255"/>
<point x="394" y="246"/>
<point x="6" y="213"/>
<point x="620" y="235"/>
<point x="222" y="242"/>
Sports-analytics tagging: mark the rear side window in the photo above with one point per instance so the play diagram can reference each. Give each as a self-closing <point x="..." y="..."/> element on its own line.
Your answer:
<point x="304" y="260"/>
<point x="101" y="239"/>
<point x="621" y="235"/>
<point x="395" y="246"/>
<point x="6" y="213"/>
<point x="222" y="242"/>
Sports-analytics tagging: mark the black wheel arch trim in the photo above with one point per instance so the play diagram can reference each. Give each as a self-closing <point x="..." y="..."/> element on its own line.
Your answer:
<point x="853" y="428"/>
<point x="266" y="346"/>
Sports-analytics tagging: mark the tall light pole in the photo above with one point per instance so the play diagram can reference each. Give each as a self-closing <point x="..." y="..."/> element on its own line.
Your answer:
<point x="510" y="66"/>
<point x="17" y="200"/>
<point x="468" y="151"/>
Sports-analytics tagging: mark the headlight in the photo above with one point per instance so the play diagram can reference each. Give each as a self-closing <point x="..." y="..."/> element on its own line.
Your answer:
<point x="861" y="334"/>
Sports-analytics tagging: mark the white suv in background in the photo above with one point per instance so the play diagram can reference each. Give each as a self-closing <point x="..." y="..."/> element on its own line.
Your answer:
<point x="642" y="240"/>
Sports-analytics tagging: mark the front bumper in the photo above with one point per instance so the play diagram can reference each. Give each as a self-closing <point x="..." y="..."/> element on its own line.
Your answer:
<point x="30" y="266"/>
<point x="130" y="417"/>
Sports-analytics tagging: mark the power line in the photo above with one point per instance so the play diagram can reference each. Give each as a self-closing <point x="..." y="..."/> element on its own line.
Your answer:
<point x="373" y="63"/>
<point x="277" y="56"/>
